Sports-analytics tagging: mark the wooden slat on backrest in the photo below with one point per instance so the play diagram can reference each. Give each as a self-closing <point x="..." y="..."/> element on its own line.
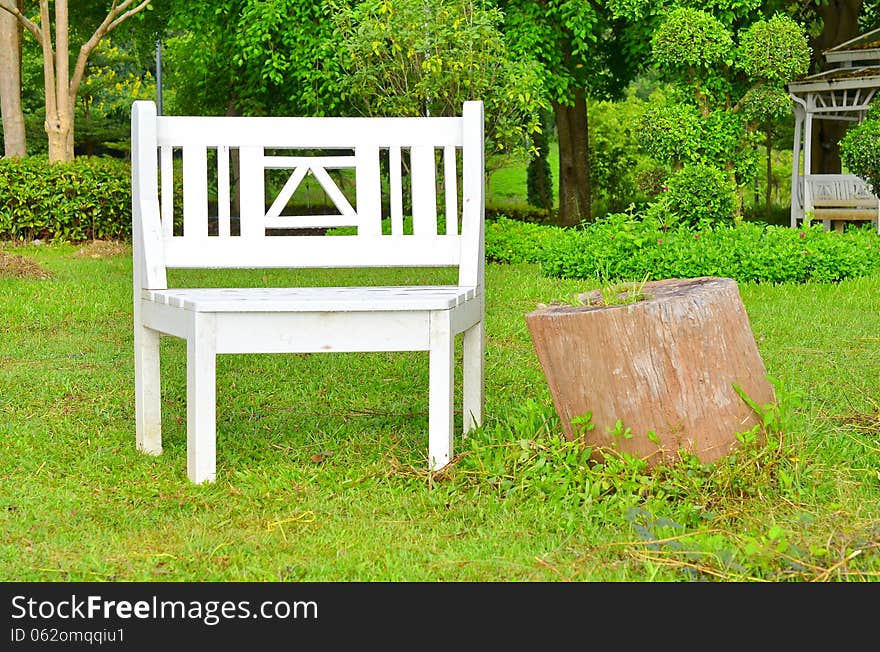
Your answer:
<point x="424" y="190"/>
<point x="395" y="189"/>
<point x="252" y="194"/>
<point x="450" y="184"/>
<point x="367" y="139"/>
<point x="471" y="270"/>
<point x="369" y="190"/>
<point x="167" y="172"/>
<point x="224" y="199"/>
<point x="195" y="191"/>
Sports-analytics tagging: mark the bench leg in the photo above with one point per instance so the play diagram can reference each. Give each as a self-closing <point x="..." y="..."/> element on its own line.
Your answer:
<point x="473" y="377"/>
<point x="440" y="390"/>
<point x="147" y="391"/>
<point x="201" y="401"/>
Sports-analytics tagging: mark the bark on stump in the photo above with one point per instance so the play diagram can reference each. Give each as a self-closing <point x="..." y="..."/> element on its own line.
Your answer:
<point x="666" y="364"/>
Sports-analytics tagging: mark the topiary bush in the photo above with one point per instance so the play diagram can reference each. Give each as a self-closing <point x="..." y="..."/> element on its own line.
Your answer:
<point x="88" y="198"/>
<point x="860" y="150"/>
<point x="699" y="194"/>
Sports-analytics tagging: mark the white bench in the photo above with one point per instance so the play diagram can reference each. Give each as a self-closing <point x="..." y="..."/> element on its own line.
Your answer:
<point x="840" y="198"/>
<point x="440" y="158"/>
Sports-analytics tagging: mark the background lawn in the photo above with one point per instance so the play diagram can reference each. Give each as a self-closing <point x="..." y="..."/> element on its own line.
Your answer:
<point x="322" y="458"/>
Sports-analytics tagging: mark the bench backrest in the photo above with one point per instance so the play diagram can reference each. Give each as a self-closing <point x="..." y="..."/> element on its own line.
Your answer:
<point x="839" y="191"/>
<point x="437" y="161"/>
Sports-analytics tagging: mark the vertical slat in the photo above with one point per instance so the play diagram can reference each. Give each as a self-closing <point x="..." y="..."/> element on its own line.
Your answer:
<point x="369" y="190"/>
<point x="223" y="199"/>
<point x="195" y="191"/>
<point x="167" y="211"/>
<point x="253" y="192"/>
<point x="473" y="186"/>
<point x="450" y="183"/>
<point x="395" y="190"/>
<point x="424" y="190"/>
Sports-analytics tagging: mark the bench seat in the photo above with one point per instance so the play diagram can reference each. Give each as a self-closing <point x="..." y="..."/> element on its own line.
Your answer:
<point x="313" y="299"/>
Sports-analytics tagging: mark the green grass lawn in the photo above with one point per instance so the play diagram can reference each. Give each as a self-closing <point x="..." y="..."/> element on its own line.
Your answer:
<point x="322" y="458"/>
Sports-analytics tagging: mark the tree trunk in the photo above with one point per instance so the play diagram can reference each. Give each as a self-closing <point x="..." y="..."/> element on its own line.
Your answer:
<point x="840" y="23"/>
<point x="574" y="161"/>
<point x="14" y="138"/>
<point x="59" y="85"/>
<point x="667" y="365"/>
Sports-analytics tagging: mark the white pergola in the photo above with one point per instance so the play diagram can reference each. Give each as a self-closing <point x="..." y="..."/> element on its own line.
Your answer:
<point x="842" y="92"/>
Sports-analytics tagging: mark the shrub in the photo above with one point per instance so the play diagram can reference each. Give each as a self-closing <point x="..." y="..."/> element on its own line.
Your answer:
<point x="860" y="151"/>
<point x="670" y="133"/>
<point x="774" y="50"/>
<point x="624" y="247"/>
<point x="514" y="241"/>
<point x="87" y="198"/>
<point x="690" y="38"/>
<point x="539" y="178"/>
<point x="521" y="213"/>
<point x="700" y="194"/>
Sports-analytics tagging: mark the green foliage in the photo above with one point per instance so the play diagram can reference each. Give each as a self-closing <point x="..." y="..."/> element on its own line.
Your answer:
<point x="698" y="195"/>
<point x="690" y="38"/>
<point x="113" y="81"/>
<point x="625" y="247"/>
<point x="523" y="456"/>
<point x="285" y="58"/>
<point x="739" y="91"/>
<point x="520" y="213"/>
<point x="726" y="143"/>
<point x="253" y="57"/>
<point x="763" y="104"/>
<point x="514" y="241"/>
<point x="677" y="134"/>
<point x="88" y="198"/>
<point x="592" y="48"/>
<point x="774" y="50"/>
<point x="408" y="57"/>
<point x="616" y="159"/>
<point x="860" y="150"/>
<point x="671" y="132"/>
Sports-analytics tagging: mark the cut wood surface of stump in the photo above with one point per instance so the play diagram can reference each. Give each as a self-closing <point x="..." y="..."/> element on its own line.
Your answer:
<point x="667" y="364"/>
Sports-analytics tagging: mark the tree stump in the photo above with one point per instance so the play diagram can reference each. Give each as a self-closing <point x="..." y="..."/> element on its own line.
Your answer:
<point x="666" y="364"/>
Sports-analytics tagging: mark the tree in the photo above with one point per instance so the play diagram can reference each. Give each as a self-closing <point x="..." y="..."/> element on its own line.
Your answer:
<point x="586" y="48"/>
<point x="771" y="53"/>
<point x="254" y="57"/>
<point x="14" y="138"/>
<point x="726" y="91"/>
<point x="60" y="84"/>
<point x="539" y="177"/>
<point x="412" y="57"/>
